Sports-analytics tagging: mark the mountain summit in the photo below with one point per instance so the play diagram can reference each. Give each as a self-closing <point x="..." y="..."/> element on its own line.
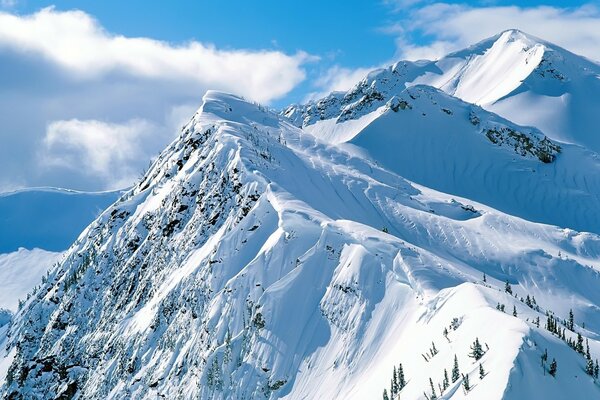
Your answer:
<point x="520" y="77"/>
<point x="303" y="256"/>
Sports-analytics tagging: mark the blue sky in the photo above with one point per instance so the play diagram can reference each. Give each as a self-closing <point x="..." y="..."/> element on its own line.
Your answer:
<point x="90" y="90"/>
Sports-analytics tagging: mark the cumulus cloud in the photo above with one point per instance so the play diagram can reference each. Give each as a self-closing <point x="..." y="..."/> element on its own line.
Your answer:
<point x="102" y="150"/>
<point x="76" y="41"/>
<point x="69" y="88"/>
<point x="451" y="27"/>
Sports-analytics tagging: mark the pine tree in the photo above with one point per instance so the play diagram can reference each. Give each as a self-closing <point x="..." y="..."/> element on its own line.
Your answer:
<point x="587" y="349"/>
<point x="433" y="395"/>
<point x="446" y="381"/>
<point x="596" y="369"/>
<point x="553" y="367"/>
<point x="537" y="321"/>
<point x="455" y="370"/>
<point x="401" y="380"/>
<point x="395" y="388"/>
<point x="579" y="345"/>
<point x="589" y="367"/>
<point x="508" y="288"/>
<point x="481" y="371"/>
<point x="385" y="395"/>
<point x="466" y="384"/>
<point x="514" y="311"/>
<point x="433" y="349"/>
<point x="484" y="277"/>
<point x="476" y="350"/>
<point x="571" y="322"/>
<point x="544" y="360"/>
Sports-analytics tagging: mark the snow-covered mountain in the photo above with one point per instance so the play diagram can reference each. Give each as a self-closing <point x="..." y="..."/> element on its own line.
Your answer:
<point x="259" y="260"/>
<point x="439" y="141"/>
<point x="518" y="76"/>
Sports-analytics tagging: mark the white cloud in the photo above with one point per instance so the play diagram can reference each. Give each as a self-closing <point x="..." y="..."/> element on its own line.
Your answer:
<point x="106" y="151"/>
<point x="67" y="85"/>
<point x="76" y="42"/>
<point x="452" y="27"/>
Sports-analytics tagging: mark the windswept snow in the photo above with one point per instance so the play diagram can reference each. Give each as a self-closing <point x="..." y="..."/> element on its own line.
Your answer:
<point x="256" y="260"/>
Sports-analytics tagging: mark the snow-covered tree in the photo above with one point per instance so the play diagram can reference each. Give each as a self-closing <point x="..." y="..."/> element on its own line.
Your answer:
<point x="401" y="379"/>
<point x="571" y="322"/>
<point x="508" y="288"/>
<point x="589" y="367"/>
<point x="446" y="381"/>
<point x="466" y="383"/>
<point x="553" y="367"/>
<point x="455" y="370"/>
<point x="385" y="395"/>
<point x="476" y="350"/>
<point x="481" y="371"/>
<point x="433" y="394"/>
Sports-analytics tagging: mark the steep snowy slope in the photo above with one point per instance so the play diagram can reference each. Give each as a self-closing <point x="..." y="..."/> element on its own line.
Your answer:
<point x="47" y="218"/>
<point x="255" y="261"/>
<point x="523" y="78"/>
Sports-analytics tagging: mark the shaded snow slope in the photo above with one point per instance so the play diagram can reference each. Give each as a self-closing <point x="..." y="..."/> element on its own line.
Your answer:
<point x="47" y="218"/>
<point x="20" y="271"/>
<point x="520" y="77"/>
<point x="255" y="261"/>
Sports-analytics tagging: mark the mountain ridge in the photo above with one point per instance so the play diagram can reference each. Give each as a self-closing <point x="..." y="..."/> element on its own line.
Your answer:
<point x="258" y="260"/>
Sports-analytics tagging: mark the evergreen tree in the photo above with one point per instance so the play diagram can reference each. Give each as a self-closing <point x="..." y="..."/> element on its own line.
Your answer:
<point x="553" y="367"/>
<point x="484" y="277"/>
<point x="481" y="371"/>
<point x="455" y="370"/>
<point x="537" y="321"/>
<point x="385" y="395"/>
<point x="579" y="345"/>
<point x="514" y="311"/>
<point x="571" y="322"/>
<point x="587" y="349"/>
<point x="401" y="380"/>
<point x="544" y="360"/>
<point x="446" y="381"/>
<point x="596" y="369"/>
<point x="433" y="395"/>
<point x="433" y="349"/>
<point x="476" y="350"/>
<point x="589" y="367"/>
<point x="466" y="384"/>
<point x="508" y="288"/>
<point x="395" y="388"/>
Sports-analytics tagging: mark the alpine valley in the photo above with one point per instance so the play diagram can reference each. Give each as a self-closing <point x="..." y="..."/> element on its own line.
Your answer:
<point x="433" y="233"/>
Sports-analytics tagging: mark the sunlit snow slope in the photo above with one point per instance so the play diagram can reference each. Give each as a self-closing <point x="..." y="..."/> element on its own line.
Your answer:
<point x="256" y="261"/>
<point x="518" y="76"/>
